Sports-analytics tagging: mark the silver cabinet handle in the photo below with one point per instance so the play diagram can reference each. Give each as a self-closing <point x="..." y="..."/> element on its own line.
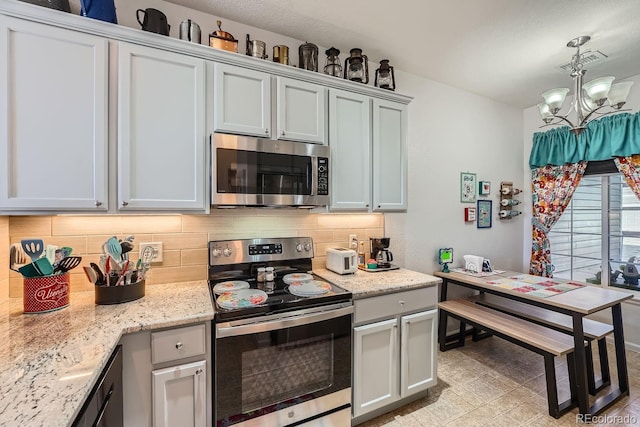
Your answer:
<point x="125" y="203"/>
<point x="282" y="133"/>
<point x="199" y="371"/>
<point x="266" y="131"/>
<point x="179" y="346"/>
<point x="98" y="203"/>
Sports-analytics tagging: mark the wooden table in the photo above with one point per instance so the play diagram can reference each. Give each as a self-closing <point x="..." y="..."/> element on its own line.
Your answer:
<point x="577" y="303"/>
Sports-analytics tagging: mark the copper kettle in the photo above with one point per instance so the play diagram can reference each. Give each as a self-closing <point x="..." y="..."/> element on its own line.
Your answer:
<point x="223" y="40"/>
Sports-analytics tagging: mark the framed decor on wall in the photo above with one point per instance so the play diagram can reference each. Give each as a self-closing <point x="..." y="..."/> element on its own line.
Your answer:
<point x="470" y="214"/>
<point x="485" y="188"/>
<point x="468" y="187"/>
<point x="484" y="214"/>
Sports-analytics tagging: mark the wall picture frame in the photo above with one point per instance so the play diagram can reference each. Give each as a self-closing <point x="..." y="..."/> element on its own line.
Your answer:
<point x="484" y="213"/>
<point x="484" y="189"/>
<point x="470" y="214"/>
<point x="468" y="187"/>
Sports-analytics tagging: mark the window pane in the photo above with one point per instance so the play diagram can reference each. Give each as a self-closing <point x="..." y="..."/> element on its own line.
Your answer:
<point x="624" y="235"/>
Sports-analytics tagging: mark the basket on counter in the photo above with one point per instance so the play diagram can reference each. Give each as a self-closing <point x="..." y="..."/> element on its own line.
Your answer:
<point x="119" y="294"/>
<point x="45" y="293"/>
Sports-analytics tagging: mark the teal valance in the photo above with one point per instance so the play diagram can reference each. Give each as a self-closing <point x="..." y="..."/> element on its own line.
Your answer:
<point x="605" y="138"/>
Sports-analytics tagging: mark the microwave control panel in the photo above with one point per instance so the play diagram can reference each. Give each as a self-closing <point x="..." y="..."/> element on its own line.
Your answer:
<point x="323" y="176"/>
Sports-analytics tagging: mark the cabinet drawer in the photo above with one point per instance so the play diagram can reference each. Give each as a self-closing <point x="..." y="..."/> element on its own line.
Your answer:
<point x="177" y="343"/>
<point x="389" y="305"/>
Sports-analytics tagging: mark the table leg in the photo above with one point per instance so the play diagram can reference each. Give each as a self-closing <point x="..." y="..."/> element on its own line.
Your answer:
<point x="621" y="357"/>
<point x="581" y="389"/>
<point x="442" y="318"/>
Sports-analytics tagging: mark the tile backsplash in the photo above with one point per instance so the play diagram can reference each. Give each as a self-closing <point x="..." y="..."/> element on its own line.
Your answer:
<point x="184" y="237"/>
<point x="4" y="257"/>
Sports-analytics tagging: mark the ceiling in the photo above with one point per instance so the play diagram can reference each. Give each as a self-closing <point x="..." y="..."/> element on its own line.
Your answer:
<point x="507" y="50"/>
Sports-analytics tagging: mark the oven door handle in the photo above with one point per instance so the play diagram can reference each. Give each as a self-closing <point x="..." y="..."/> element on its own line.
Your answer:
<point x="282" y="323"/>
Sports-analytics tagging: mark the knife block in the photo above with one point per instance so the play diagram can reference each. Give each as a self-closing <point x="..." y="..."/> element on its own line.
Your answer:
<point x="119" y="294"/>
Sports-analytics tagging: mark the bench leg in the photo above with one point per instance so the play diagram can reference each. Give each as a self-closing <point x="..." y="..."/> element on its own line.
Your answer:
<point x="591" y="375"/>
<point x="571" y="366"/>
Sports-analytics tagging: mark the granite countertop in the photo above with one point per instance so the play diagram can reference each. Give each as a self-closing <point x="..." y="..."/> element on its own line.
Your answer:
<point x="363" y="284"/>
<point x="50" y="361"/>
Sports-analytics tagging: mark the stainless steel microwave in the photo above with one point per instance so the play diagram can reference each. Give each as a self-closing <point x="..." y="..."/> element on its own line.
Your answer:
<point x="249" y="171"/>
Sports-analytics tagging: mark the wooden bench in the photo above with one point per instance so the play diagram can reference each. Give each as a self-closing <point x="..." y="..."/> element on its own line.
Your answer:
<point x="593" y="331"/>
<point x="537" y="338"/>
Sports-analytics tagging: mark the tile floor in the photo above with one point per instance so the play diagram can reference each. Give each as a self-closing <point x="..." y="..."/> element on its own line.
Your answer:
<point x="495" y="383"/>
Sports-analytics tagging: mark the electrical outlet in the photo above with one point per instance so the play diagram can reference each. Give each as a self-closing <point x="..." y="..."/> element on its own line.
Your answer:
<point x="157" y="247"/>
<point x="353" y="241"/>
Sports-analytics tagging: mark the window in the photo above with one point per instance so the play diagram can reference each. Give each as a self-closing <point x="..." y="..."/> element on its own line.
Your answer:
<point x="599" y="230"/>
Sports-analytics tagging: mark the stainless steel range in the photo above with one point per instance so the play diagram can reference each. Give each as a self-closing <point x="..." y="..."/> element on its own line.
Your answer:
<point x="282" y="347"/>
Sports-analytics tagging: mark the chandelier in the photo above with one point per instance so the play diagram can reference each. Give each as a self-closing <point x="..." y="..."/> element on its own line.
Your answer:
<point x="589" y="99"/>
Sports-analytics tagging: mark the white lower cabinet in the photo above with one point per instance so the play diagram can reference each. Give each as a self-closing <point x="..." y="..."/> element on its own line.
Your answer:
<point x="179" y="395"/>
<point x="394" y="350"/>
<point x="166" y="377"/>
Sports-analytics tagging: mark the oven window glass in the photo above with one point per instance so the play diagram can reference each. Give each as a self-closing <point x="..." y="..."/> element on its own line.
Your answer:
<point x="252" y="172"/>
<point x="264" y="372"/>
<point x="286" y="371"/>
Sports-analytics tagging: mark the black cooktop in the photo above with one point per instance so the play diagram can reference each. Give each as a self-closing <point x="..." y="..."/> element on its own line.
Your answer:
<point x="242" y="263"/>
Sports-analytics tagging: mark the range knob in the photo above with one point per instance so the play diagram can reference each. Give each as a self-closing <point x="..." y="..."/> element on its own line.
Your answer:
<point x="299" y="247"/>
<point x="307" y="246"/>
<point x="227" y="252"/>
<point x="216" y="252"/>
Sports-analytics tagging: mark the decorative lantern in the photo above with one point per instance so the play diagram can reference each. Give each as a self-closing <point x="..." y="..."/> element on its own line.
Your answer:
<point x="308" y="56"/>
<point x="332" y="65"/>
<point x="356" y="66"/>
<point x="385" y="78"/>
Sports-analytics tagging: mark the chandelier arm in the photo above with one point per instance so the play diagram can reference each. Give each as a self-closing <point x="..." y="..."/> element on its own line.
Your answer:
<point x="563" y="119"/>
<point x="586" y="118"/>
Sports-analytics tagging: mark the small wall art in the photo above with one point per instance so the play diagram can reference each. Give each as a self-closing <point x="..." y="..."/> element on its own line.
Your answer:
<point x="467" y="187"/>
<point x="484" y="214"/>
<point x="469" y="214"/>
<point x="484" y="188"/>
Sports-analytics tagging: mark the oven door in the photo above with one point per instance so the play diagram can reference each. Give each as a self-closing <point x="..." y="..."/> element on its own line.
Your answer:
<point x="286" y="369"/>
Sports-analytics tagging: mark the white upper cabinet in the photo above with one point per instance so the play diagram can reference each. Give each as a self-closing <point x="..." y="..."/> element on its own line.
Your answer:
<point x="301" y="111"/>
<point x="242" y="101"/>
<point x="162" y="141"/>
<point x="389" y="156"/>
<point x="53" y="118"/>
<point x="350" y="142"/>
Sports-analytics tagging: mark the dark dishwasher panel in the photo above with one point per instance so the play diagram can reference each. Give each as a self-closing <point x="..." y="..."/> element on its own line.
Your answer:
<point x="103" y="407"/>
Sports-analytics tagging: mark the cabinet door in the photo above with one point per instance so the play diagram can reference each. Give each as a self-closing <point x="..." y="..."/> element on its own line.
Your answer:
<point x="417" y="350"/>
<point x="161" y="130"/>
<point x="242" y="101"/>
<point x="389" y="156"/>
<point x="350" y="142"/>
<point x="375" y="366"/>
<point x="179" y="395"/>
<point x="53" y="118"/>
<point x="301" y="110"/>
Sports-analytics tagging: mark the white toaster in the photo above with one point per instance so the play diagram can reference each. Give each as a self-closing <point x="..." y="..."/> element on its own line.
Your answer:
<point x="342" y="261"/>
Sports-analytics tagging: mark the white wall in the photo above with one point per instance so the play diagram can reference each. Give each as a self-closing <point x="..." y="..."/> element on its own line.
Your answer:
<point x="531" y="124"/>
<point x="453" y="131"/>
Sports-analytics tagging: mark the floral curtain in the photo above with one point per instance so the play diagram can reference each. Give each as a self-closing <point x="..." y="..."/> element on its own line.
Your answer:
<point x="630" y="168"/>
<point x="552" y="188"/>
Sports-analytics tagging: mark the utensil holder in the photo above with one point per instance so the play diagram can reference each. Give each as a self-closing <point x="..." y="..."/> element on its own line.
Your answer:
<point x="45" y="293"/>
<point x="119" y="294"/>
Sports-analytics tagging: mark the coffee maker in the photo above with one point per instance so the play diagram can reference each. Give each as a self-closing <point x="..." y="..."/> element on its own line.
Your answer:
<point x="381" y="253"/>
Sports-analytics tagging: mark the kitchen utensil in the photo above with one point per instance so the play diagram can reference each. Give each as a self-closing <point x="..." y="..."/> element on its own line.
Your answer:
<point x="223" y="40"/>
<point x="281" y="54"/>
<point x="100" y="276"/>
<point x="147" y="255"/>
<point x="126" y="247"/>
<point x="123" y="273"/>
<point x="68" y="263"/>
<point x="91" y="274"/>
<point x="33" y="248"/>
<point x="16" y="257"/>
<point x="153" y="21"/>
<point x="114" y="248"/>
<point x="332" y="65"/>
<point x="308" y="56"/>
<point x="190" y="31"/>
<point x="356" y="66"/>
<point x="40" y="267"/>
<point x="385" y="77"/>
<point x="256" y="48"/>
<point x="50" y="253"/>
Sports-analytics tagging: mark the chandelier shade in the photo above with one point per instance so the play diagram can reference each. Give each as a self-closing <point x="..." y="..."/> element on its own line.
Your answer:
<point x="589" y="98"/>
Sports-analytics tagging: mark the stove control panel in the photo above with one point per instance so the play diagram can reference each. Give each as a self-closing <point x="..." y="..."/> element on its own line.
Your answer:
<point x="265" y="249"/>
